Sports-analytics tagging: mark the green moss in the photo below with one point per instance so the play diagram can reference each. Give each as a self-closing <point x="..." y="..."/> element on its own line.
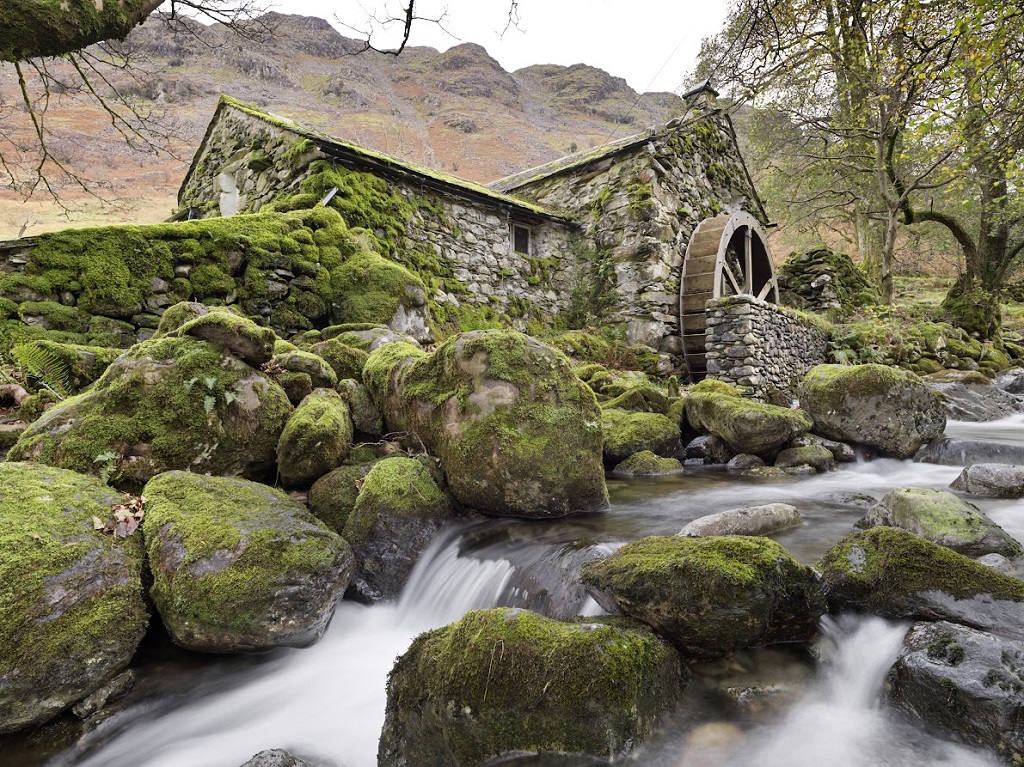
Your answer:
<point x="346" y="361"/>
<point x="878" y="568"/>
<point x="646" y="463"/>
<point x="832" y="386"/>
<point x="501" y="681"/>
<point x="266" y="534"/>
<point x="947" y="650"/>
<point x="381" y="364"/>
<point x="55" y="316"/>
<point x="402" y="486"/>
<point x="316" y="438"/>
<point x="49" y="548"/>
<point x="369" y="289"/>
<point x="167" y="403"/>
<point x="626" y="433"/>
<point x="333" y="496"/>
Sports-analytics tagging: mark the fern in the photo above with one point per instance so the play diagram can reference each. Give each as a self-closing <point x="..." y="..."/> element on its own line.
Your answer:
<point x="46" y="367"/>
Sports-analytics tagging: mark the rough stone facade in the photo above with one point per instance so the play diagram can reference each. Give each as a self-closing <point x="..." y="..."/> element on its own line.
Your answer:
<point x="639" y="204"/>
<point x="249" y="159"/>
<point x="762" y="349"/>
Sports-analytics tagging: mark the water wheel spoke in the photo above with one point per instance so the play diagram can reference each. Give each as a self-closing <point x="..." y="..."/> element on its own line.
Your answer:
<point x="765" y="290"/>
<point x="728" y="274"/>
<point x="748" y="262"/>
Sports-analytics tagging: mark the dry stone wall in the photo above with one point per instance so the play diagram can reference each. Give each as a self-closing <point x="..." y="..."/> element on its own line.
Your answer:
<point x="640" y="206"/>
<point x="762" y="349"/>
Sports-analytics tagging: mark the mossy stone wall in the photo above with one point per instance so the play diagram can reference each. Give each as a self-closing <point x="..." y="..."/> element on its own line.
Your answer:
<point x="460" y="248"/>
<point x="760" y="348"/>
<point x="109" y="286"/>
<point x="639" y="207"/>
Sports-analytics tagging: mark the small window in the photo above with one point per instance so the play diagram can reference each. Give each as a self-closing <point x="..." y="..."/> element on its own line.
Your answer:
<point x="521" y="239"/>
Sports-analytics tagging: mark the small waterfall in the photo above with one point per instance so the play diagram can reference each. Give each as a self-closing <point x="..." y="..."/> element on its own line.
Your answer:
<point x="325" y="702"/>
<point x="842" y="721"/>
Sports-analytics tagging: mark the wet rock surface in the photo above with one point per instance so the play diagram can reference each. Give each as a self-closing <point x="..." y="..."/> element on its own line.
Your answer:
<point x="968" y="683"/>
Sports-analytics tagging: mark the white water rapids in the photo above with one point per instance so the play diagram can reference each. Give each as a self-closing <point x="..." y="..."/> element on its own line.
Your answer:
<point x="326" y="703"/>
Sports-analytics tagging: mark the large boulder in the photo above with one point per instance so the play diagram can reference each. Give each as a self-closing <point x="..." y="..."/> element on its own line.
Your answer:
<point x="506" y="681"/>
<point x="971" y="396"/>
<point x="647" y="464"/>
<point x="72" y="610"/>
<point x="750" y="520"/>
<point x="942" y="518"/>
<point x="966" y="682"/>
<point x="896" y="574"/>
<point x="372" y="289"/>
<point x="887" y="409"/>
<point x="710" y="596"/>
<point x="175" y="402"/>
<point x="992" y="480"/>
<point x="238" y="566"/>
<point x="516" y="432"/>
<point x="967" y="452"/>
<point x="748" y="426"/>
<point x="316" y="439"/>
<point x="398" y="511"/>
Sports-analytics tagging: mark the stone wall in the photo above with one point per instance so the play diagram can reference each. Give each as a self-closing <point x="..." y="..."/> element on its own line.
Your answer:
<point x="639" y="207"/>
<point x="460" y="247"/>
<point x="762" y="349"/>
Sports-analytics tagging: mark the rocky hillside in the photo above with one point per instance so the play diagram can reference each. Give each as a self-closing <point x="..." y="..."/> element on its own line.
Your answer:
<point x="458" y="111"/>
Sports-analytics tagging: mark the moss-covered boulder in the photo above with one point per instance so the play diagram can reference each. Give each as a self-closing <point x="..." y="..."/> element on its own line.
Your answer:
<point x="942" y="518"/>
<point x="365" y="416"/>
<point x="886" y="409"/>
<point x="824" y="280"/>
<point x="627" y="432"/>
<point x="167" y="403"/>
<point x="646" y="464"/>
<point x="817" y="457"/>
<point x="516" y="432"/>
<point x="509" y="681"/>
<point x="238" y="566"/>
<point x="967" y="683"/>
<point x="231" y="335"/>
<point x="366" y="336"/>
<point x="316" y="438"/>
<point x="346" y="361"/>
<point x="333" y="496"/>
<point x="72" y="610"/>
<point x="991" y="480"/>
<point x="320" y="373"/>
<point x="372" y="289"/>
<point x="398" y="511"/>
<point x="899" y="575"/>
<point x="714" y="407"/>
<point x="710" y="596"/>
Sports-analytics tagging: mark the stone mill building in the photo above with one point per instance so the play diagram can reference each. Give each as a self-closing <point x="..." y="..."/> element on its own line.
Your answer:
<point x="647" y="228"/>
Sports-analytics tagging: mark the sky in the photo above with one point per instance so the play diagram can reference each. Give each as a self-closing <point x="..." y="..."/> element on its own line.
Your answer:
<point x="650" y="43"/>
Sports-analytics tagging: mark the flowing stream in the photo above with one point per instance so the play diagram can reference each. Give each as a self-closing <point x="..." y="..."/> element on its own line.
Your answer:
<point x="326" y="703"/>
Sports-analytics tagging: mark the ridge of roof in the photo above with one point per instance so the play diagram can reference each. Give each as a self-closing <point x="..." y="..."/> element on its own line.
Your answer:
<point x="581" y="159"/>
<point x="378" y="160"/>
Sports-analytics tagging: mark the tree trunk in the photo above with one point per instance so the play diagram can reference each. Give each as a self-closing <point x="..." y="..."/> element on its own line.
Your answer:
<point x="35" y="28"/>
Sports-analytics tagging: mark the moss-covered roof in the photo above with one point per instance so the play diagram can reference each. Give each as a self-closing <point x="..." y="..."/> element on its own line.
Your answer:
<point x="378" y="162"/>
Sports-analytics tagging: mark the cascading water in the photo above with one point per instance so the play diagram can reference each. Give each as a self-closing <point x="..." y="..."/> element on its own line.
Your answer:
<point x="326" y="703"/>
<point x="841" y="722"/>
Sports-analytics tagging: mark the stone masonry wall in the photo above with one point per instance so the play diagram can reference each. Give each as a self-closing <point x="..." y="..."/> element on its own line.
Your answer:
<point x="249" y="161"/>
<point x="640" y="206"/>
<point x="760" y="348"/>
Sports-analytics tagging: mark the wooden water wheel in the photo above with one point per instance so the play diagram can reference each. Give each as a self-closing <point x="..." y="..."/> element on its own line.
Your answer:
<point x="727" y="255"/>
